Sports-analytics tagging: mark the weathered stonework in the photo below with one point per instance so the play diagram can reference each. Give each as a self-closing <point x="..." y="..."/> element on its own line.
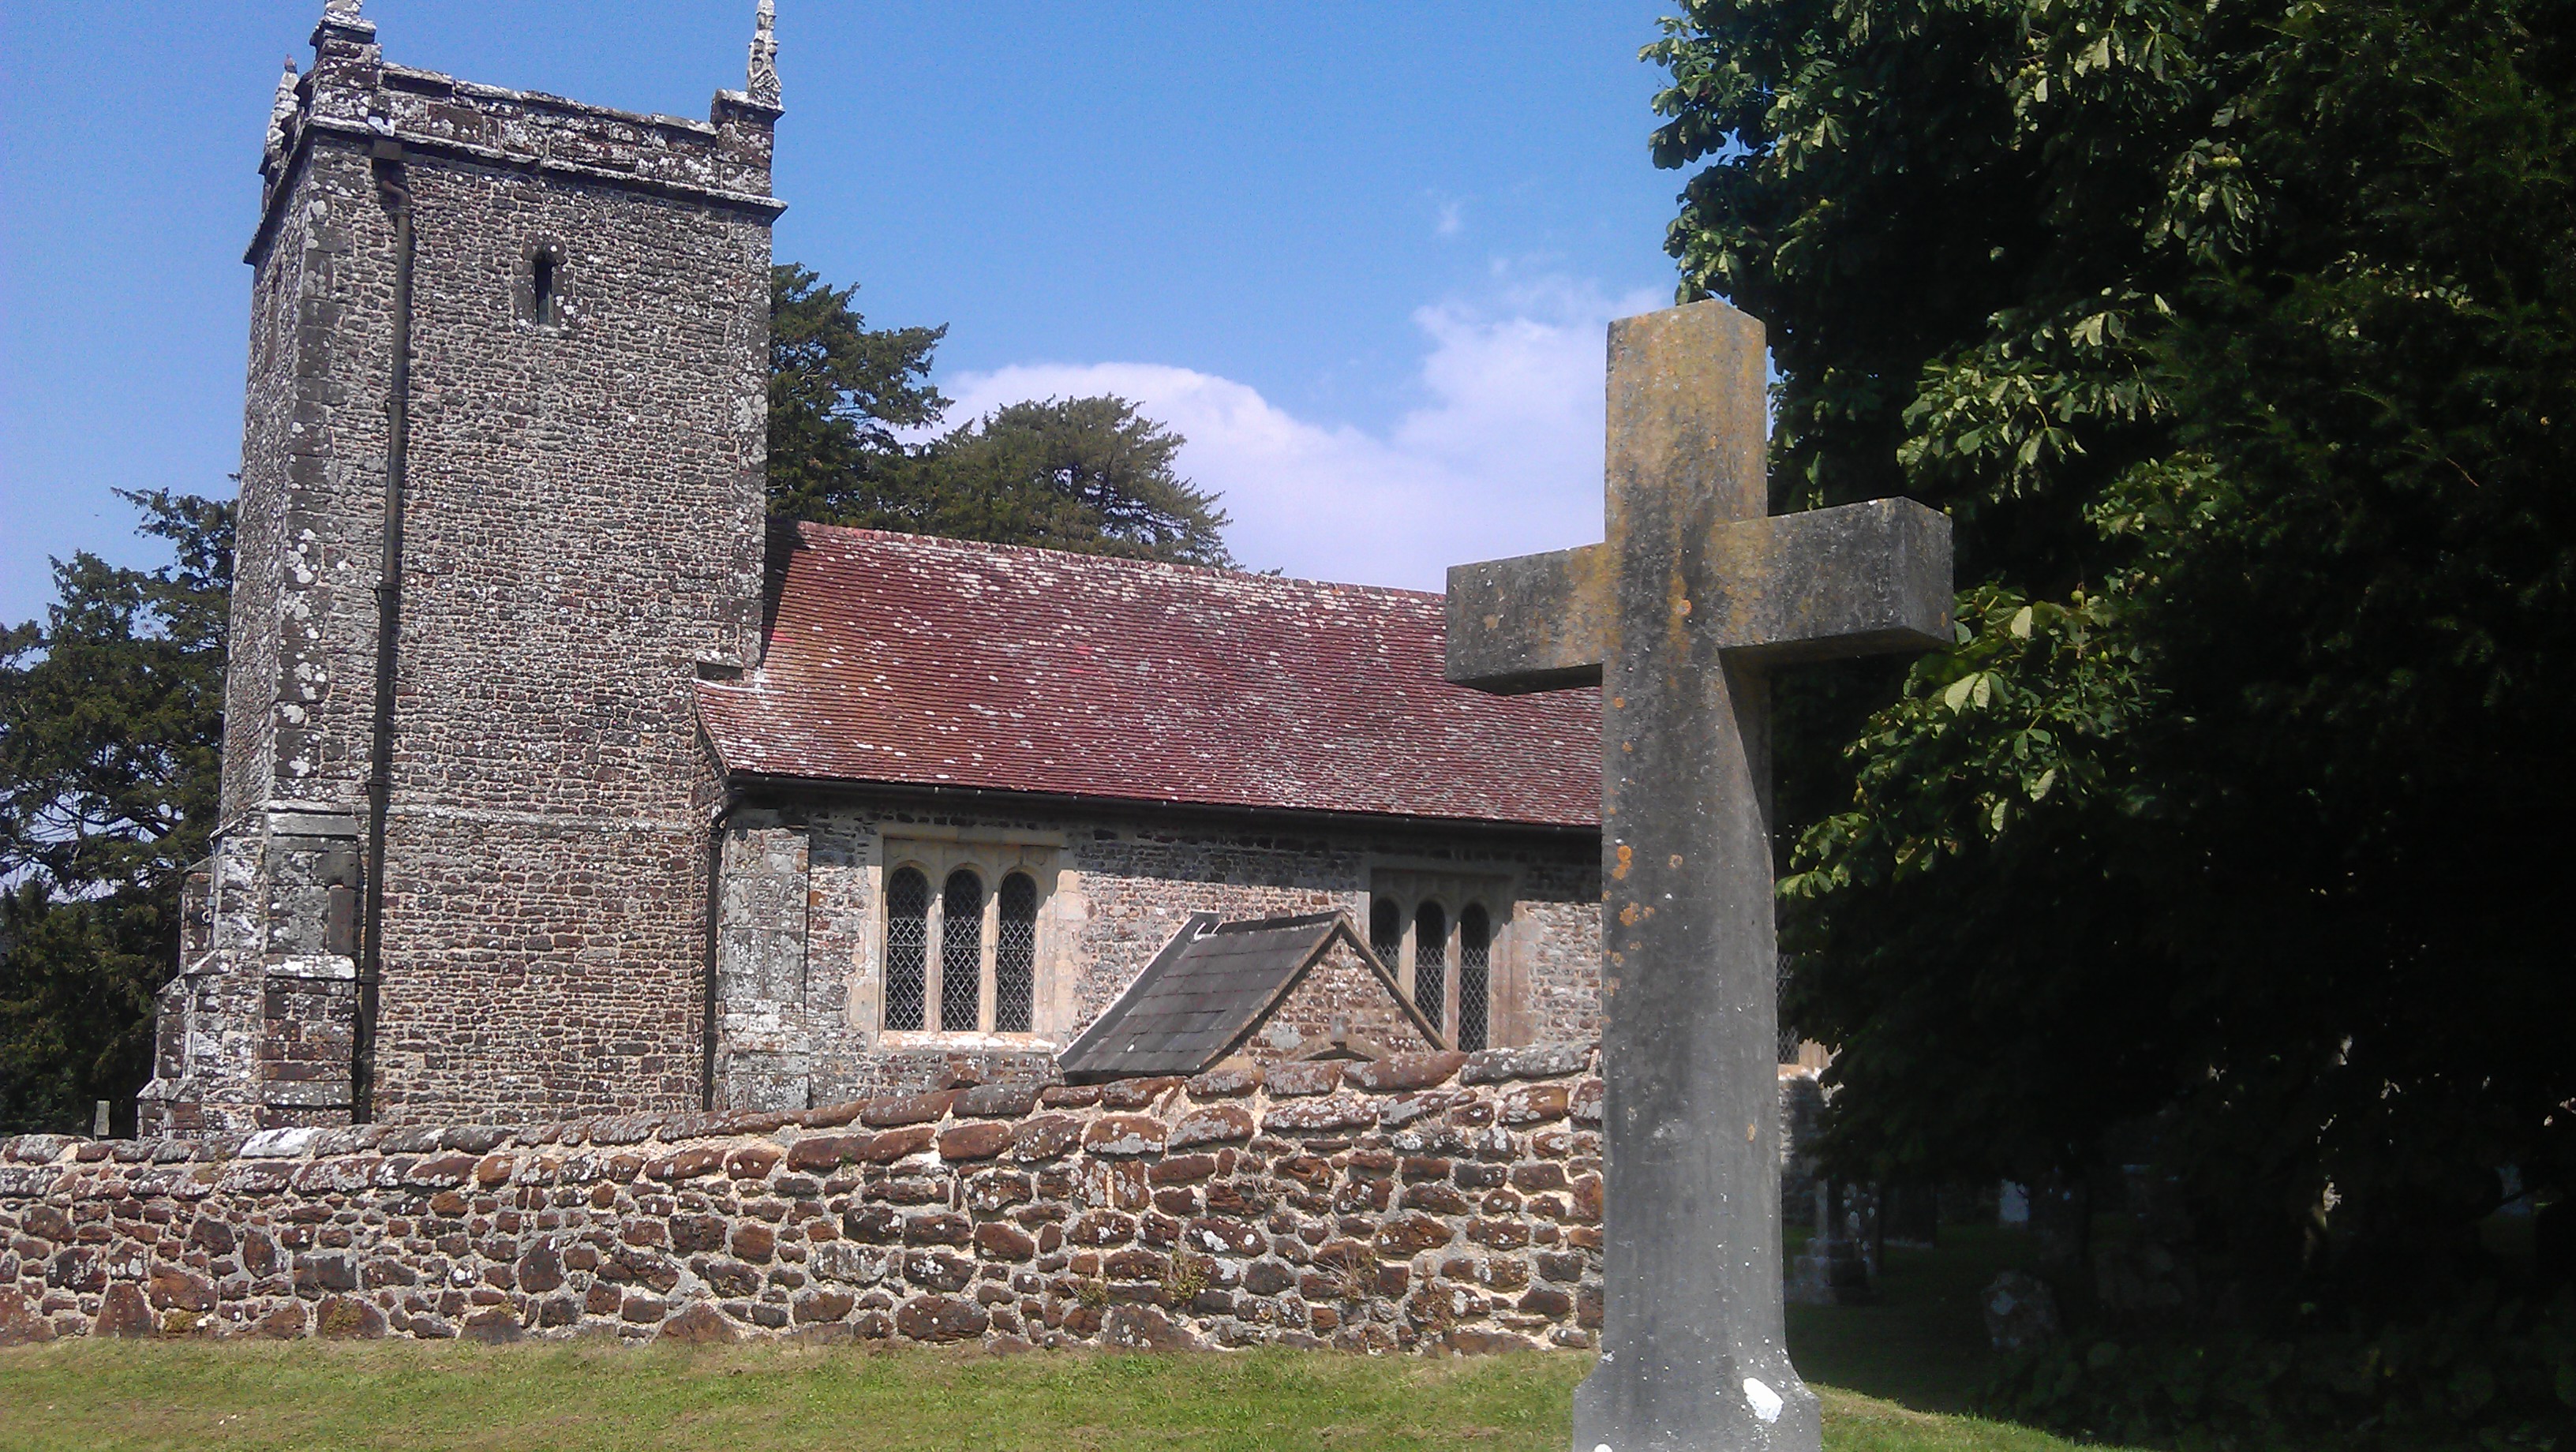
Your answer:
<point x="1341" y="999"/>
<point x="582" y="535"/>
<point x="800" y="967"/>
<point x="279" y="1029"/>
<point x="1429" y="1201"/>
<point x="1676" y="618"/>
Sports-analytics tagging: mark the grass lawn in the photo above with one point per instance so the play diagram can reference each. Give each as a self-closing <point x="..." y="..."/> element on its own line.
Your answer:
<point x="1892" y="1377"/>
<point x="1923" y="1346"/>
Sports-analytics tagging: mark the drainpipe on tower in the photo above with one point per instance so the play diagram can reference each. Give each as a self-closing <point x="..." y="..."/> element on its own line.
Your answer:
<point x="394" y="191"/>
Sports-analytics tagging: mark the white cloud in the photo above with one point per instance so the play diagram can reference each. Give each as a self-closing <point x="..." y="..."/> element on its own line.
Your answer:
<point x="1504" y="458"/>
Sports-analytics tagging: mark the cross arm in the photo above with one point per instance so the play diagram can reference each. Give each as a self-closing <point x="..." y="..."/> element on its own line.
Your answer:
<point x="1535" y="623"/>
<point x="1860" y="579"/>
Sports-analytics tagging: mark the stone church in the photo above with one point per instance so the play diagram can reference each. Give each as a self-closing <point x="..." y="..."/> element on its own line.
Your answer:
<point x="557" y="780"/>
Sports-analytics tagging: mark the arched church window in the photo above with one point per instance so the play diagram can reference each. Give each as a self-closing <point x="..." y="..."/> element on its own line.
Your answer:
<point x="1430" y="964"/>
<point x="1475" y="975"/>
<point x="964" y="949"/>
<point x="907" y="972"/>
<point x="1386" y="931"/>
<point x="1015" y="955"/>
<point x="961" y="952"/>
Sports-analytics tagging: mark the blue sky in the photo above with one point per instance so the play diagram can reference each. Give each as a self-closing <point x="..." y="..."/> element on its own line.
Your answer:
<point x="1360" y="254"/>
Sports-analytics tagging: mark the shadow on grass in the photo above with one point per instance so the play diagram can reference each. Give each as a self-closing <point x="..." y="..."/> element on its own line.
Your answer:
<point x="1923" y="1344"/>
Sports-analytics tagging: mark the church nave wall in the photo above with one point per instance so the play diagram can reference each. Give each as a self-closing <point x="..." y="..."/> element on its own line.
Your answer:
<point x="803" y="983"/>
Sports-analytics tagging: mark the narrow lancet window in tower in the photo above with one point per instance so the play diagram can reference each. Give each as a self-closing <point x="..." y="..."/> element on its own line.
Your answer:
<point x="541" y="284"/>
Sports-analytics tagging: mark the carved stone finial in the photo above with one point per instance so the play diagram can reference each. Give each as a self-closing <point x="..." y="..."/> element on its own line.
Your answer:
<point x="761" y="78"/>
<point x="281" y="114"/>
<point x="343" y="11"/>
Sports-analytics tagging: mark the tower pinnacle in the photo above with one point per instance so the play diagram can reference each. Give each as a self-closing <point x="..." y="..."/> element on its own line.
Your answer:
<point x="761" y="77"/>
<point x="281" y="114"/>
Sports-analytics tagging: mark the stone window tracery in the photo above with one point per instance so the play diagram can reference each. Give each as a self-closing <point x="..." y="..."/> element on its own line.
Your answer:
<point x="1441" y="933"/>
<point x="907" y="970"/>
<point x="964" y="938"/>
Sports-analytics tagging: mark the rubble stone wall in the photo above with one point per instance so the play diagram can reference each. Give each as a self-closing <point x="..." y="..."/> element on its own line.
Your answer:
<point x="800" y="980"/>
<point x="1429" y="1201"/>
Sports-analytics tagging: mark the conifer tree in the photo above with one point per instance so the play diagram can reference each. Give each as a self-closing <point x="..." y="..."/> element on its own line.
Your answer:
<point x="111" y="733"/>
<point x="1091" y="475"/>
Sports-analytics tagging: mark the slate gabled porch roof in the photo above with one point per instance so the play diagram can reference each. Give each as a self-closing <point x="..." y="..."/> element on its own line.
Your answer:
<point x="1212" y="984"/>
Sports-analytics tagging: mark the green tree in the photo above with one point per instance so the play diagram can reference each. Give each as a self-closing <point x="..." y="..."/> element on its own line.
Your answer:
<point x="111" y="735"/>
<point x="2238" y="337"/>
<point x="1085" y="474"/>
<point x="838" y="393"/>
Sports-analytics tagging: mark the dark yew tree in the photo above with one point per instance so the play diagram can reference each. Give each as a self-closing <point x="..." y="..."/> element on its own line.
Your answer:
<point x="111" y="736"/>
<point x="838" y="393"/>
<point x="1085" y="474"/>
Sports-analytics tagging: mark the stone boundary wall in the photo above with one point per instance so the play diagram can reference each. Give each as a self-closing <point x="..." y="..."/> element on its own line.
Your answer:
<point x="1430" y="1201"/>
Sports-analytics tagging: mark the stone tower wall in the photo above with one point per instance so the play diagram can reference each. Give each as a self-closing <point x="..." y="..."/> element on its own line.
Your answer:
<point x="582" y="535"/>
<point x="585" y="526"/>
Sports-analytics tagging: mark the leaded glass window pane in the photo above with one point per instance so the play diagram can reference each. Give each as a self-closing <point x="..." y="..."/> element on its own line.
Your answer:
<point x="1430" y="964"/>
<point x="961" y="953"/>
<point x="907" y="978"/>
<point x="1015" y="955"/>
<point x="1475" y="976"/>
<point x="1386" y="931"/>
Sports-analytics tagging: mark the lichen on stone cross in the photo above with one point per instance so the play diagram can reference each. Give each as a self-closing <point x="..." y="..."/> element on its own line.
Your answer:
<point x="1678" y="615"/>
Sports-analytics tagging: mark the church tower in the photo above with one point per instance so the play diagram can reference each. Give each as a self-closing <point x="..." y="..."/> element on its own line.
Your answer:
<point x="501" y="508"/>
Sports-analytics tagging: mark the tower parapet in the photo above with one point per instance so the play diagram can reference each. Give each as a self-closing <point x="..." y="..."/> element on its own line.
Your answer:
<point x="354" y="95"/>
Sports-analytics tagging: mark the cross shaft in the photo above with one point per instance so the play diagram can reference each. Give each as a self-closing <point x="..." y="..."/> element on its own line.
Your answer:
<point x="1693" y="595"/>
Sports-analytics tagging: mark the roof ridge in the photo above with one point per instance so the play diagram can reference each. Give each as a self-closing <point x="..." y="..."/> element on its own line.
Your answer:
<point x="1278" y="922"/>
<point x="1088" y="560"/>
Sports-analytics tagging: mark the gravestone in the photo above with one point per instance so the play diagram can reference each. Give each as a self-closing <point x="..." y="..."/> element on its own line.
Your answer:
<point x="1695" y="594"/>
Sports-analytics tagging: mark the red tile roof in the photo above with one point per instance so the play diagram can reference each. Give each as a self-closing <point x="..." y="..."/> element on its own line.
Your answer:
<point x="898" y="658"/>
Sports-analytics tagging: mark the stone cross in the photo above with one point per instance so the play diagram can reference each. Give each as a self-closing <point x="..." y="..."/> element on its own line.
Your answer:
<point x="1695" y="594"/>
